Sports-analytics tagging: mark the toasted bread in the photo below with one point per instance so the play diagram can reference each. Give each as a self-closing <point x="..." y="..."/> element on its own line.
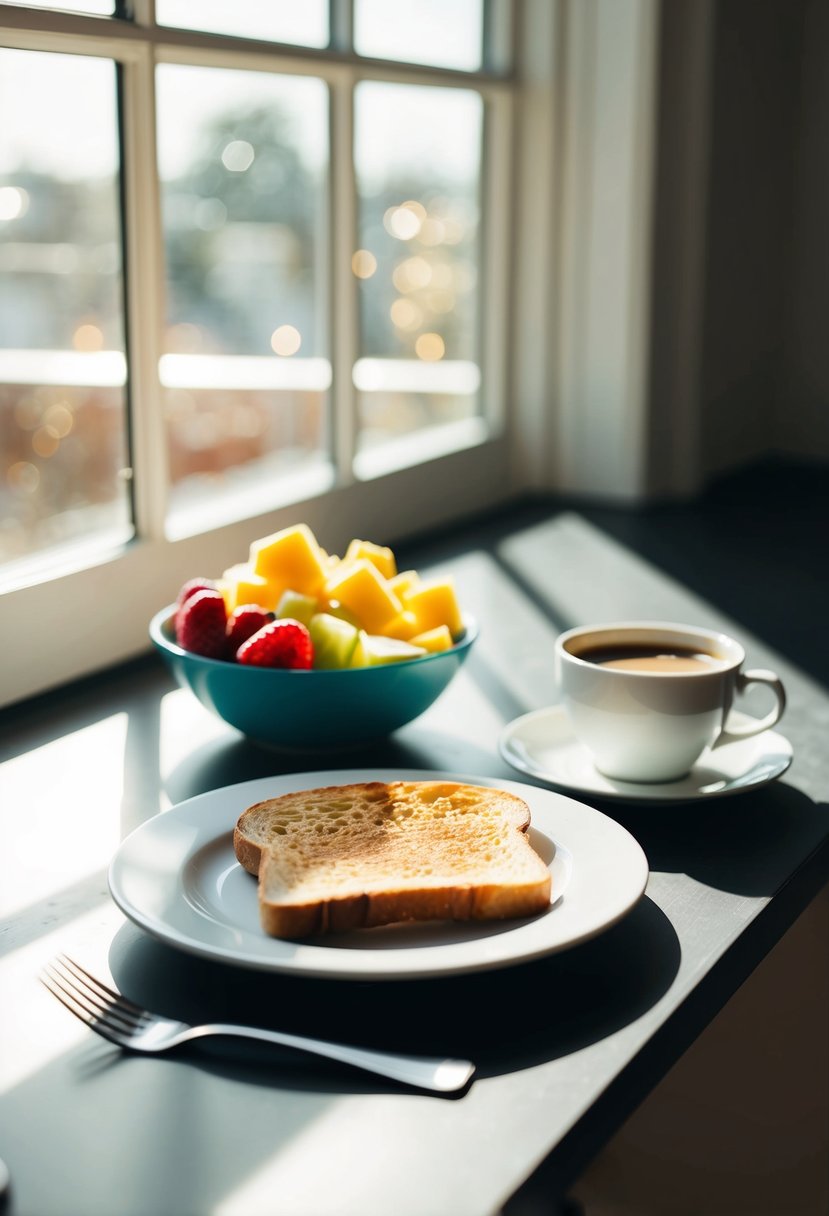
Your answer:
<point x="356" y="856"/>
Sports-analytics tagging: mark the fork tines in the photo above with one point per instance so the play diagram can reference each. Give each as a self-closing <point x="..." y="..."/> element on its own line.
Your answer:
<point x="92" y="1002"/>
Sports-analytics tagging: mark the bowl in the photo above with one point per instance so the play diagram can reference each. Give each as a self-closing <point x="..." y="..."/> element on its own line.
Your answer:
<point x="312" y="710"/>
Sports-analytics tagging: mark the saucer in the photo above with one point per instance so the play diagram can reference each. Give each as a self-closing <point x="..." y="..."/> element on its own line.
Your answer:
<point x="542" y="744"/>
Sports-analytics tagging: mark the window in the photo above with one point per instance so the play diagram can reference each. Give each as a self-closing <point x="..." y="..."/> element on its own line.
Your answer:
<point x="418" y="163"/>
<point x="246" y="366"/>
<point x="253" y="259"/>
<point x="62" y="365"/>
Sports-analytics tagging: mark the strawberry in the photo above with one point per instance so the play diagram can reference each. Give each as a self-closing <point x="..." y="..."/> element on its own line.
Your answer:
<point x="282" y="643"/>
<point x="242" y="623"/>
<point x="201" y="624"/>
<point x="191" y="587"/>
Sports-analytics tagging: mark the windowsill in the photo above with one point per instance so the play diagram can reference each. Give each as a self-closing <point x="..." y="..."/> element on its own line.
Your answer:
<point x="245" y="495"/>
<point x="419" y="447"/>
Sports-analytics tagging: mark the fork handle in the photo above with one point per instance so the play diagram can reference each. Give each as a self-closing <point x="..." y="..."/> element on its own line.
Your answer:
<point x="439" y="1074"/>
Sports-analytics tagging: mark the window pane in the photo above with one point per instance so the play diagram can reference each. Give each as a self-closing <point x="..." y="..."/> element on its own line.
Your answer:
<point x="243" y="163"/>
<point x="418" y="263"/>
<point x="104" y="8"/>
<point x="442" y="33"/>
<point x="303" y="24"/>
<point x="63" y="445"/>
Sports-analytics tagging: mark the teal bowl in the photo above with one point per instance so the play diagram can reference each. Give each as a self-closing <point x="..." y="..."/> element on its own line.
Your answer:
<point x="312" y="710"/>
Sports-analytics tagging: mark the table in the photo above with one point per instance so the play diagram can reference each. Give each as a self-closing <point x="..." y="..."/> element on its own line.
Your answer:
<point x="565" y="1047"/>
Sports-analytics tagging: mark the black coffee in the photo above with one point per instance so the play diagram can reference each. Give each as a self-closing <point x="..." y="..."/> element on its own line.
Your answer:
<point x="644" y="657"/>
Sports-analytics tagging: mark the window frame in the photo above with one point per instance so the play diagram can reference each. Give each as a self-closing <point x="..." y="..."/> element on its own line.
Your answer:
<point x="109" y="624"/>
<point x="569" y="172"/>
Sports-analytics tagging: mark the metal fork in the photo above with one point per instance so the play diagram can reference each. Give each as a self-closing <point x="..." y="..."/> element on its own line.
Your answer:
<point x="121" y="1021"/>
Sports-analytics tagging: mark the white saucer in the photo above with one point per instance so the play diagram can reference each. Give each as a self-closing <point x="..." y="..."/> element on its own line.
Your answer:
<point x="542" y="745"/>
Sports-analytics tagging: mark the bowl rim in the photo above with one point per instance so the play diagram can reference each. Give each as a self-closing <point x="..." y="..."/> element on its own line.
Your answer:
<point x="164" y="643"/>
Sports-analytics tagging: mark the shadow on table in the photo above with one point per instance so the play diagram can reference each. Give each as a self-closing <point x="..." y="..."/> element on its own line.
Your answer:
<point x="504" y="1020"/>
<point x="226" y="762"/>
<point x="745" y="844"/>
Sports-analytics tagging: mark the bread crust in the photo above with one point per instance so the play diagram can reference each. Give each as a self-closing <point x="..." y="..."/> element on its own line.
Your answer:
<point x="359" y="856"/>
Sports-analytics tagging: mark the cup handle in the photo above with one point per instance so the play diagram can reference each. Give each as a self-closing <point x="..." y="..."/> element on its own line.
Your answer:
<point x="757" y="676"/>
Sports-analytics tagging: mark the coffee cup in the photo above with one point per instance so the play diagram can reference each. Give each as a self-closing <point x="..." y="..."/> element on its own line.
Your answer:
<point x="646" y="698"/>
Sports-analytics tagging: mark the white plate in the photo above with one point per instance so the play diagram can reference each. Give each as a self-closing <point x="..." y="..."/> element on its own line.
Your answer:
<point x="542" y="744"/>
<point x="177" y="877"/>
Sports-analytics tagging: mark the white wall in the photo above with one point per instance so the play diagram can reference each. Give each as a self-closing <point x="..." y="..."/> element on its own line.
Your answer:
<point x="739" y="351"/>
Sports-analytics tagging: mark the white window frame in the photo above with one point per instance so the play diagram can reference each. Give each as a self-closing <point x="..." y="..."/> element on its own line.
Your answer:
<point x="565" y="338"/>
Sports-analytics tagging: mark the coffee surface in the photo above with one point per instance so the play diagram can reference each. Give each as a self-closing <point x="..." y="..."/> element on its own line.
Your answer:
<point x="643" y="657"/>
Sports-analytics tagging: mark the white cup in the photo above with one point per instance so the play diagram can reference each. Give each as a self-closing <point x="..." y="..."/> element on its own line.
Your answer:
<point x="652" y="725"/>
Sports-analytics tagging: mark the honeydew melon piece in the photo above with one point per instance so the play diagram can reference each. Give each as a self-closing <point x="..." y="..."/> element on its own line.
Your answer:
<point x="372" y="650"/>
<point x="404" y="626"/>
<point x="292" y="558"/>
<point x="241" y="585"/>
<point x="296" y="606"/>
<point x="434" y="639"/>
<point x="362" y="590"/>
<point x="334" y="641"/>
<point x="379" y="555"/>
<point x="434" y="604"/>
<point x="335" y="608"/>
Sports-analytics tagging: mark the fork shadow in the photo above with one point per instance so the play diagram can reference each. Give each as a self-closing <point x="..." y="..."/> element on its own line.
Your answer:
<point x="505" y="1021"/>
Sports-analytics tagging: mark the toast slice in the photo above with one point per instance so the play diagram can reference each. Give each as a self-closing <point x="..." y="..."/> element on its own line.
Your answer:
<point x="355" y="856"/>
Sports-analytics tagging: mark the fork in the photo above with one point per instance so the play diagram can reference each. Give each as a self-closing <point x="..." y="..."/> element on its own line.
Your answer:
<point x="126" y="1024"/>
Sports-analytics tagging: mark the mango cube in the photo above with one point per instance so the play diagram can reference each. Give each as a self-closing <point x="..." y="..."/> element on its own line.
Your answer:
<point x="241" y="585"/>
<point x="404" y="582"/>
<point x="404" y="626"/>
<point x="379" y="556"/>
<point x="361" y="589"/>
<point x="435" y="604"/>
<point x="372" y="650"/>
<point x="434" y="640"/>
<point x="292" y="558"/>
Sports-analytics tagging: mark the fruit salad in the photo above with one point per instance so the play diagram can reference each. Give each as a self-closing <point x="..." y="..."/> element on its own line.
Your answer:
<point x="293" y="605"/>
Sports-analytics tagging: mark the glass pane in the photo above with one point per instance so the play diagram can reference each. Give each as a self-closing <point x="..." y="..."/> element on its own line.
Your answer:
<point x="442" y="33"/>
<point x="418" y="154"/>
<point x="63" y="431"/>
<point x="243" y="160"/>
<point x="104" y="8"/>
<point x="303" y="24"/>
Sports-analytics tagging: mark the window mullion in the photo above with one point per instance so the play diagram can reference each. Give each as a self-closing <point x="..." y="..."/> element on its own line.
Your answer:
<point x="343" y="303"/>
<point x="341" y="24"/>
<point x="145" y="296"/>
<point x="497" y="208"/>
<point x="143" y="12"/>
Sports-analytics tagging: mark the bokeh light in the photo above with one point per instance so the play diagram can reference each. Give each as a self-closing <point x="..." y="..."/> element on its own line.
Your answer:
<point x="432" y="231"/>
<point x="286" y="340"/>
<point x="88" y="337"/>
<point x="23" y="476"/>
<point x="430" y="347"/>
<point x="45" y="442"/>
<point x="59" y="419"/>
<point x="238" y="155"/>
<point x="405" y="221"/>
<point x="364" y="264"/>
<point x="14" y="202"/>
<point x="411" y="274"/>
<point x="406" y="314"/>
